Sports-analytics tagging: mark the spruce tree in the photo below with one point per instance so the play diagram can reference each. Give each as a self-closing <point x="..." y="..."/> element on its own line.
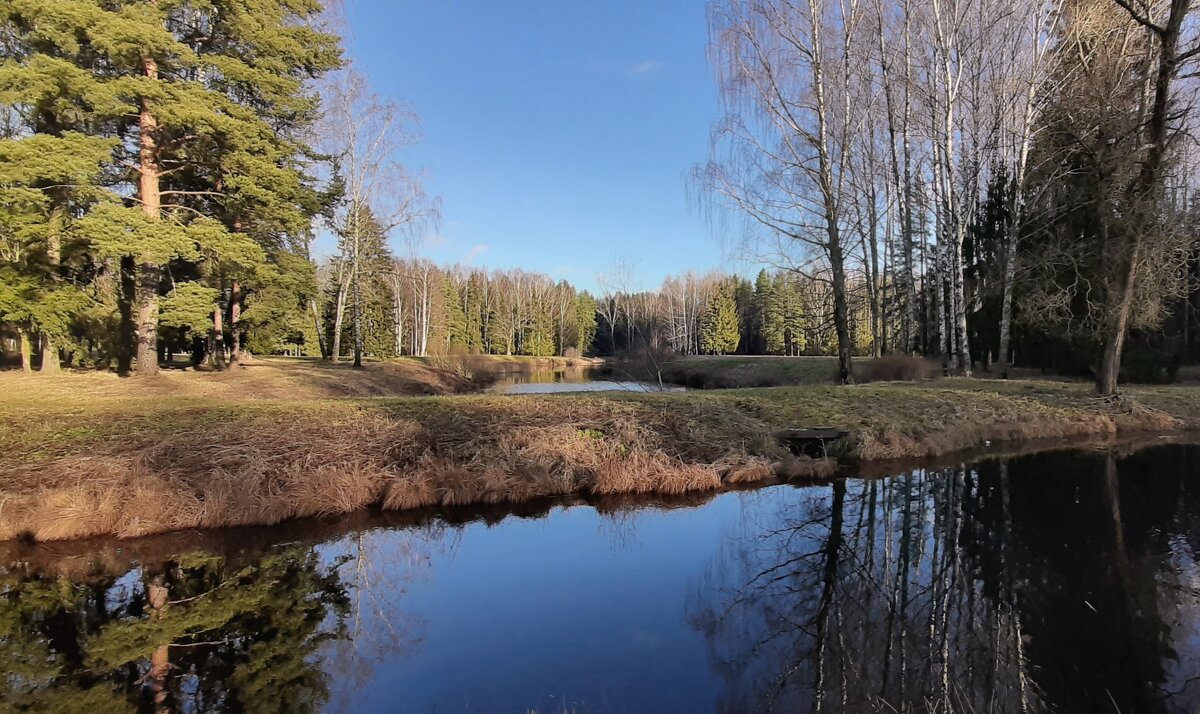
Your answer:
<point x="585" y="320"/>
<point x="457" y="339"/>
<point x="719" y="333"/>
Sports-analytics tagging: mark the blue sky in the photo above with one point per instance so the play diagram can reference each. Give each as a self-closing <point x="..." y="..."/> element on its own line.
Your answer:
<point x="557" y="134"/>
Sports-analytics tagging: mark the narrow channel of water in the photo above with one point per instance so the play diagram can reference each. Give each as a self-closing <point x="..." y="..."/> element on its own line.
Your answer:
<point x="574" y="379"/>
<point x="1065" y="582"/>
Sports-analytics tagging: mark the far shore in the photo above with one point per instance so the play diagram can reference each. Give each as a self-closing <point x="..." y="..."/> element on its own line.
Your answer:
<point x="92" y="455"/>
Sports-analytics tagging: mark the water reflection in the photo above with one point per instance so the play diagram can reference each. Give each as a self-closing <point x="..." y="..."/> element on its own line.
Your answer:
<point x="197" y="633"/>
<point x="1069" y="588"/>
<point x="1056" y="582"/>
<point x="574" y="379"/>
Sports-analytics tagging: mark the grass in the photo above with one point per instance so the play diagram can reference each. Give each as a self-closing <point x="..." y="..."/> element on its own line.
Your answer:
<point x="259" y="378"/>
<point x="121" y="462"/>
<point x="737" y="371"/>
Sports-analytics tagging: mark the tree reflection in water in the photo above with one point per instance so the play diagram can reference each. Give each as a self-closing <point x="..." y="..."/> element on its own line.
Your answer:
<point x="196" y="633"/>
<point x="1048" y="583"/>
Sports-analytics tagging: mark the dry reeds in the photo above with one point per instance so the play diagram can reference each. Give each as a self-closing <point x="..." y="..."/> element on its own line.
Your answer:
<point x="262" y="469"/>
<point x="140" y="467"/>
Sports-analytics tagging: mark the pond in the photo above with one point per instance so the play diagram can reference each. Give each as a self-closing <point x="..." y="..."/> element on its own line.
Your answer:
<point x="1062" y="581"/>
<point x="574" y="379"/>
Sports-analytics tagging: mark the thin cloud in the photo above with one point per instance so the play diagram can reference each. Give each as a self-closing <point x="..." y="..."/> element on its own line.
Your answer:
<point x="474" y="252"/>
<point x="646" y="67"/>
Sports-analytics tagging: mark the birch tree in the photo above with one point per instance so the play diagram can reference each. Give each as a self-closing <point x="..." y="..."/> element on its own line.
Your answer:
<point x="781" y="155"/>
<point x="366" y="133"/>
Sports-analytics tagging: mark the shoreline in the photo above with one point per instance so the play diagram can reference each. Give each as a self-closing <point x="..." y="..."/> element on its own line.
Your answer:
<point x="125" y="467"/>
<point x="82" y="557"/>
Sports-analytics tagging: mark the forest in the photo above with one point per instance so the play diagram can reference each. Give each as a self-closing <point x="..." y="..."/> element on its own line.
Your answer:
<point x="983" y="183"/>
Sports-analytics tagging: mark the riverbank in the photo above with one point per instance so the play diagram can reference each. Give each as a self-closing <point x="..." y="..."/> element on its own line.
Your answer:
<point x="749" y="371"/>
<point x="77" y="464"/>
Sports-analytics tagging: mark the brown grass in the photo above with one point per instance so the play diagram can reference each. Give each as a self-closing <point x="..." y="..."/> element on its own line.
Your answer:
<point x="258" y="378"/>
<point x="76" y="466"/>
<point x="751" y="371"/>
<point x="900" y="368"/>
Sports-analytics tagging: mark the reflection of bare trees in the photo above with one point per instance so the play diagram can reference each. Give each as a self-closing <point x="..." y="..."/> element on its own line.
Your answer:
<point x="378" y="569"/>
<point x="986" y="589"/>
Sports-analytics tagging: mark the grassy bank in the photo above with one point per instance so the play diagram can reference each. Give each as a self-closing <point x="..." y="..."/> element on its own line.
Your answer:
<point x="740" y="371"/>
<point x="76" y="463"/>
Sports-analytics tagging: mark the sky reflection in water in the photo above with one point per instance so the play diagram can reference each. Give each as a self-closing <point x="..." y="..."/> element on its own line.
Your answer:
<point x="1058" y="582"/>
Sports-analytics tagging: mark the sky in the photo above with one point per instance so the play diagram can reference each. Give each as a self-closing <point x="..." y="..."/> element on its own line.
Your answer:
<point x="558" y="135"/>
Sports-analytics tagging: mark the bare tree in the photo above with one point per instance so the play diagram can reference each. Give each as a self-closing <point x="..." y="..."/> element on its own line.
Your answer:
<point x="1031" y="41"/>
<point x="782" y="154"/>
<point x="365" y="133"/>
<point x="1164" y="22"/>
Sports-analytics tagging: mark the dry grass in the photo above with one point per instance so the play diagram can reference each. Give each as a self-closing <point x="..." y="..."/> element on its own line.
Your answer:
<point x="742" y="372"/>
<point x="75" y="465"/>
<point x="259" y="378"/>
<point x="901" y="368"/>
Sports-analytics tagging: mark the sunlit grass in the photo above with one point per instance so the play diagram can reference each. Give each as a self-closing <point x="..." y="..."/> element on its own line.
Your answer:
<point x="78" y="463"/>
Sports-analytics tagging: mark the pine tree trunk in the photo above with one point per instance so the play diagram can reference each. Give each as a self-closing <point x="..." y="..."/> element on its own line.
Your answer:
<point x="149" y="277"/>
<point x="54" y="255"/>
<point x="26" y="349"/>
<point x="235" y="316"/>
<point x="49" y="355"/>
<point x="217" y="354"/>
<point x="160" y="659"/>
<point x="128" y="330"/>
<point x="149" y="273"/>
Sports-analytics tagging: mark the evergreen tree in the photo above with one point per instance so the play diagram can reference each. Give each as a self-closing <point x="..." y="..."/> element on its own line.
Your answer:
<point x="455" y="317"/>
<point x="474" y="312"/>
<point x="586" y="322"/>
<point x="719" y="330"/>
<point x="211" y="95"/>
<point x="790" y="316"/>
<point x="743" y="296"/>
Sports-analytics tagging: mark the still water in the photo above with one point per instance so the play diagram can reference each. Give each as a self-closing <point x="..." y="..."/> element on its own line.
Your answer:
<point x="1063" y="581"/>
<point x="574" y="379"/>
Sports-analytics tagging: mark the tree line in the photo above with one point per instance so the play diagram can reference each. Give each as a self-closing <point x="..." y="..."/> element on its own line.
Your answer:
<point x="780" y="312"/>
<point x="979" y="167"/>
<point x="389" y="307"/>
<point x="980" y="181"/>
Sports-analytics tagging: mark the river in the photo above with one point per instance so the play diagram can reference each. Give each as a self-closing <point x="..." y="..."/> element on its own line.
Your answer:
<point x="1062" y="581"/>
<point x="574" y="379"/>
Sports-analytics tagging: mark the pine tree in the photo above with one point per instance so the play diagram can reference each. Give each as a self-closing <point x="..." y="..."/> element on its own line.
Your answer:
<point x="210" y="93"/>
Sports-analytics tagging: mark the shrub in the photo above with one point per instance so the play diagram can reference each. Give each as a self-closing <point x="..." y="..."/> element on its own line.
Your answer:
<point x="476" y="368"/>
<point x="900" y="368"/>
<point x="1146" y="366"/>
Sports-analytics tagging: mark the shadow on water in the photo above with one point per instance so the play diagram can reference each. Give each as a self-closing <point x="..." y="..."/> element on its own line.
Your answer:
<point x="573" y="379"/>
<point x="1060" y="581"/>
